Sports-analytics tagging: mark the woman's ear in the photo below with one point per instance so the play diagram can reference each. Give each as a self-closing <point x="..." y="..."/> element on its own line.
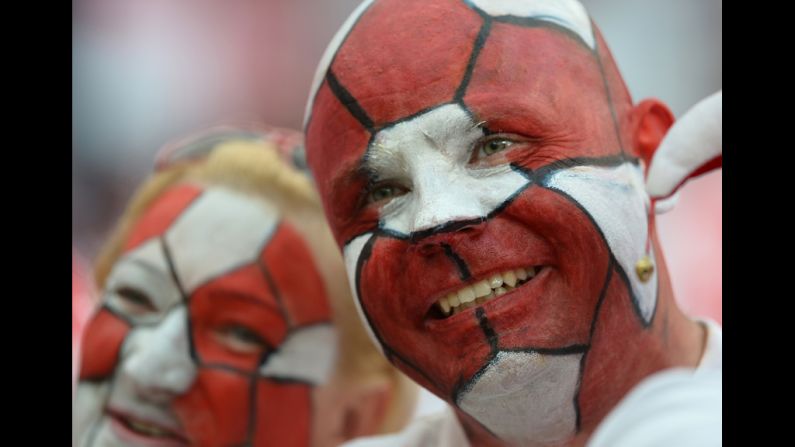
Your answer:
<point x="651" y="120"/>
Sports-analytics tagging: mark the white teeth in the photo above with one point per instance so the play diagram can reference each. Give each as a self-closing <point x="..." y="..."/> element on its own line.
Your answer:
<point x="466" y="295"/>
<point x="495" y="281"/>
<point x="445" y="305"/>
<point x="453" y="300"/>
<point x="509" y="278"/>
<point x="481" y="289"/>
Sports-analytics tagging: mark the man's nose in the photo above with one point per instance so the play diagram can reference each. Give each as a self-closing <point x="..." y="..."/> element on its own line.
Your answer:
<point x="447" y="237"/>
<point x="442" y="200"/>
<point x="158" y="361"/>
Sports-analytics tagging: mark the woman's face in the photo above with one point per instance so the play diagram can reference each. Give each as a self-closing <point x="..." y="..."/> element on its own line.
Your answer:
<point x="214" y="330"/>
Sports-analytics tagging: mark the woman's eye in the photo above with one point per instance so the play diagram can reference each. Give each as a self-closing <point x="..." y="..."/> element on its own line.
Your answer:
<point x="135" y="301"/>
<point x="384" y="192"/>
<point x="241" y="339"/>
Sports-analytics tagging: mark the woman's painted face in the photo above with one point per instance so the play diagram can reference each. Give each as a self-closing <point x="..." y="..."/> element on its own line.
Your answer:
<point x="474" y="173"/>
<point x="214" y="330"/>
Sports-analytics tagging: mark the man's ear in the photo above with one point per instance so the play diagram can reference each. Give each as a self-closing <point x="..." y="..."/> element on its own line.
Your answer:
<point x="651" y="120"/>
<point x="366" y="408"/>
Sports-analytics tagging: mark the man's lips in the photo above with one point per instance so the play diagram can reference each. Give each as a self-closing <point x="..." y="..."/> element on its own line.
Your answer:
<point x="145" y="431"/>
<point x="483" y="290"/>
<point x="494" y="302"/>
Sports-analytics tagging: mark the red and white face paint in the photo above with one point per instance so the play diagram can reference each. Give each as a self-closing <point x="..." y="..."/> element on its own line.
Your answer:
<point x="206" y="337"/>
<point x="473" y="165"/>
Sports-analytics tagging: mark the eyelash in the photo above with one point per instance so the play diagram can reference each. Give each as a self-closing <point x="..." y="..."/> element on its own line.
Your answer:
<point x="139" y="300"/>
<point x="241" y="339"/>
<point x="378" y="186"/>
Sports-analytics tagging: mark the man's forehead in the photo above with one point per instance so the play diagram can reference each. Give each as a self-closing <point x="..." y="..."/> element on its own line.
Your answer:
<point x="399" y="61"/>
<point x="407" y="29"/>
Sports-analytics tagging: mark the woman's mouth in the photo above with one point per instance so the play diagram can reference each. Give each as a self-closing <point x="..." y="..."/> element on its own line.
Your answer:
<point x="146" y="432"/>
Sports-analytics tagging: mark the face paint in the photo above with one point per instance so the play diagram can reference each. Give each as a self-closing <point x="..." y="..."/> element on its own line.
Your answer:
<point x="488" y="211"/>
<point x="206" y="335"/>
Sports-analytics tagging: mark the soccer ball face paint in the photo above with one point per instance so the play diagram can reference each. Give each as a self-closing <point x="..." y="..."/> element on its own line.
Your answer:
<point x="473" y="164"/>
<point x="206" y="336"/>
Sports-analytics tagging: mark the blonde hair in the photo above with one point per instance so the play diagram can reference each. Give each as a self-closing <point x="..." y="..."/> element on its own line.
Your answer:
<point x="256" y="168"/>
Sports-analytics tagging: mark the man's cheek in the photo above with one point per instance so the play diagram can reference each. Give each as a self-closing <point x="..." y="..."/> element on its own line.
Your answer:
<point x="398" y="286"/>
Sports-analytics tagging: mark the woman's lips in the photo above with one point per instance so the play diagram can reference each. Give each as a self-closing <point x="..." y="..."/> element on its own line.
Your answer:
<point x="145" y="432"/>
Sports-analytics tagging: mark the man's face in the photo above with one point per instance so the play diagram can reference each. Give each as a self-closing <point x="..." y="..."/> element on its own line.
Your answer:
<point x="206" y="335"/>
<point x="474" y="168"/>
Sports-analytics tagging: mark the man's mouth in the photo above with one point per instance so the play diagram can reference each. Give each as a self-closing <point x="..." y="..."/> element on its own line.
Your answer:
<point x="146" y="431"/>
<point x="482" y="291"/>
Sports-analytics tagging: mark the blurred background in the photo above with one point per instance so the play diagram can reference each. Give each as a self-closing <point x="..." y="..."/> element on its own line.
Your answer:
<point x="147" y="71"/>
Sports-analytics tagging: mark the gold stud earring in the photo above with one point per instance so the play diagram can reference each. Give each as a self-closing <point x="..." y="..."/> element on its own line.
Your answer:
<point x="644" y="268"/>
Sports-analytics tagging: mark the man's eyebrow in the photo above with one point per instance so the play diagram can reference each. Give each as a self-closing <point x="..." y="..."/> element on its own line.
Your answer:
<point x="349" y="173"/>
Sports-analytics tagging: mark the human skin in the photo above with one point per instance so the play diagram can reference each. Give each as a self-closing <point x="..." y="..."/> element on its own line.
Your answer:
<point x="206" y="335"/>
<point x="458" y="145"/>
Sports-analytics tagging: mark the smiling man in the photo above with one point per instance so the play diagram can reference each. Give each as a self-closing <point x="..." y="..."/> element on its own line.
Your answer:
<point x="481" y="164"/>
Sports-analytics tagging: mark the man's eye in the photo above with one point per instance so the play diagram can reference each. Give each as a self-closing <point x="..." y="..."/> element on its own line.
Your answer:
<point x="381" y="193"/>
<point x="493" y="146"/>
<point x="241" y="339"/>
<point x="135" y="301"/>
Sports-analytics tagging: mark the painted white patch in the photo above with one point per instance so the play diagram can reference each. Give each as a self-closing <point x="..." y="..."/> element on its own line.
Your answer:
<point x="307" y="354"/>
<point x="328" y="55"/>
<point x="616" y="199"/>
<point x="144" y="269"/>
<point x="692" y="141"/>
<point x="569" y="14"/>
<point x="351" y="253"/>
<point x="158" y="357"/>
<point x="222" y="230"/>
<point x="526" y="398"/>
<point x="87" y="410"/>
<point x="430" y="155"/>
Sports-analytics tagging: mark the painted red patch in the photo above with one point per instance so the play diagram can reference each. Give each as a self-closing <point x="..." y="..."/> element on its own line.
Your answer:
<point x="338" y="143"/>
<point x="284" y="414"/>
<point x="215" y="411"/>
<point x="241" y="298"/>
<point x="425" y="59"/>
<point x="295" y="276"/>
<point x="618" y="340"/>
<point x="556" y="93"/>
<point x="102" y="342"/>
<point x="161" y="214"/>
